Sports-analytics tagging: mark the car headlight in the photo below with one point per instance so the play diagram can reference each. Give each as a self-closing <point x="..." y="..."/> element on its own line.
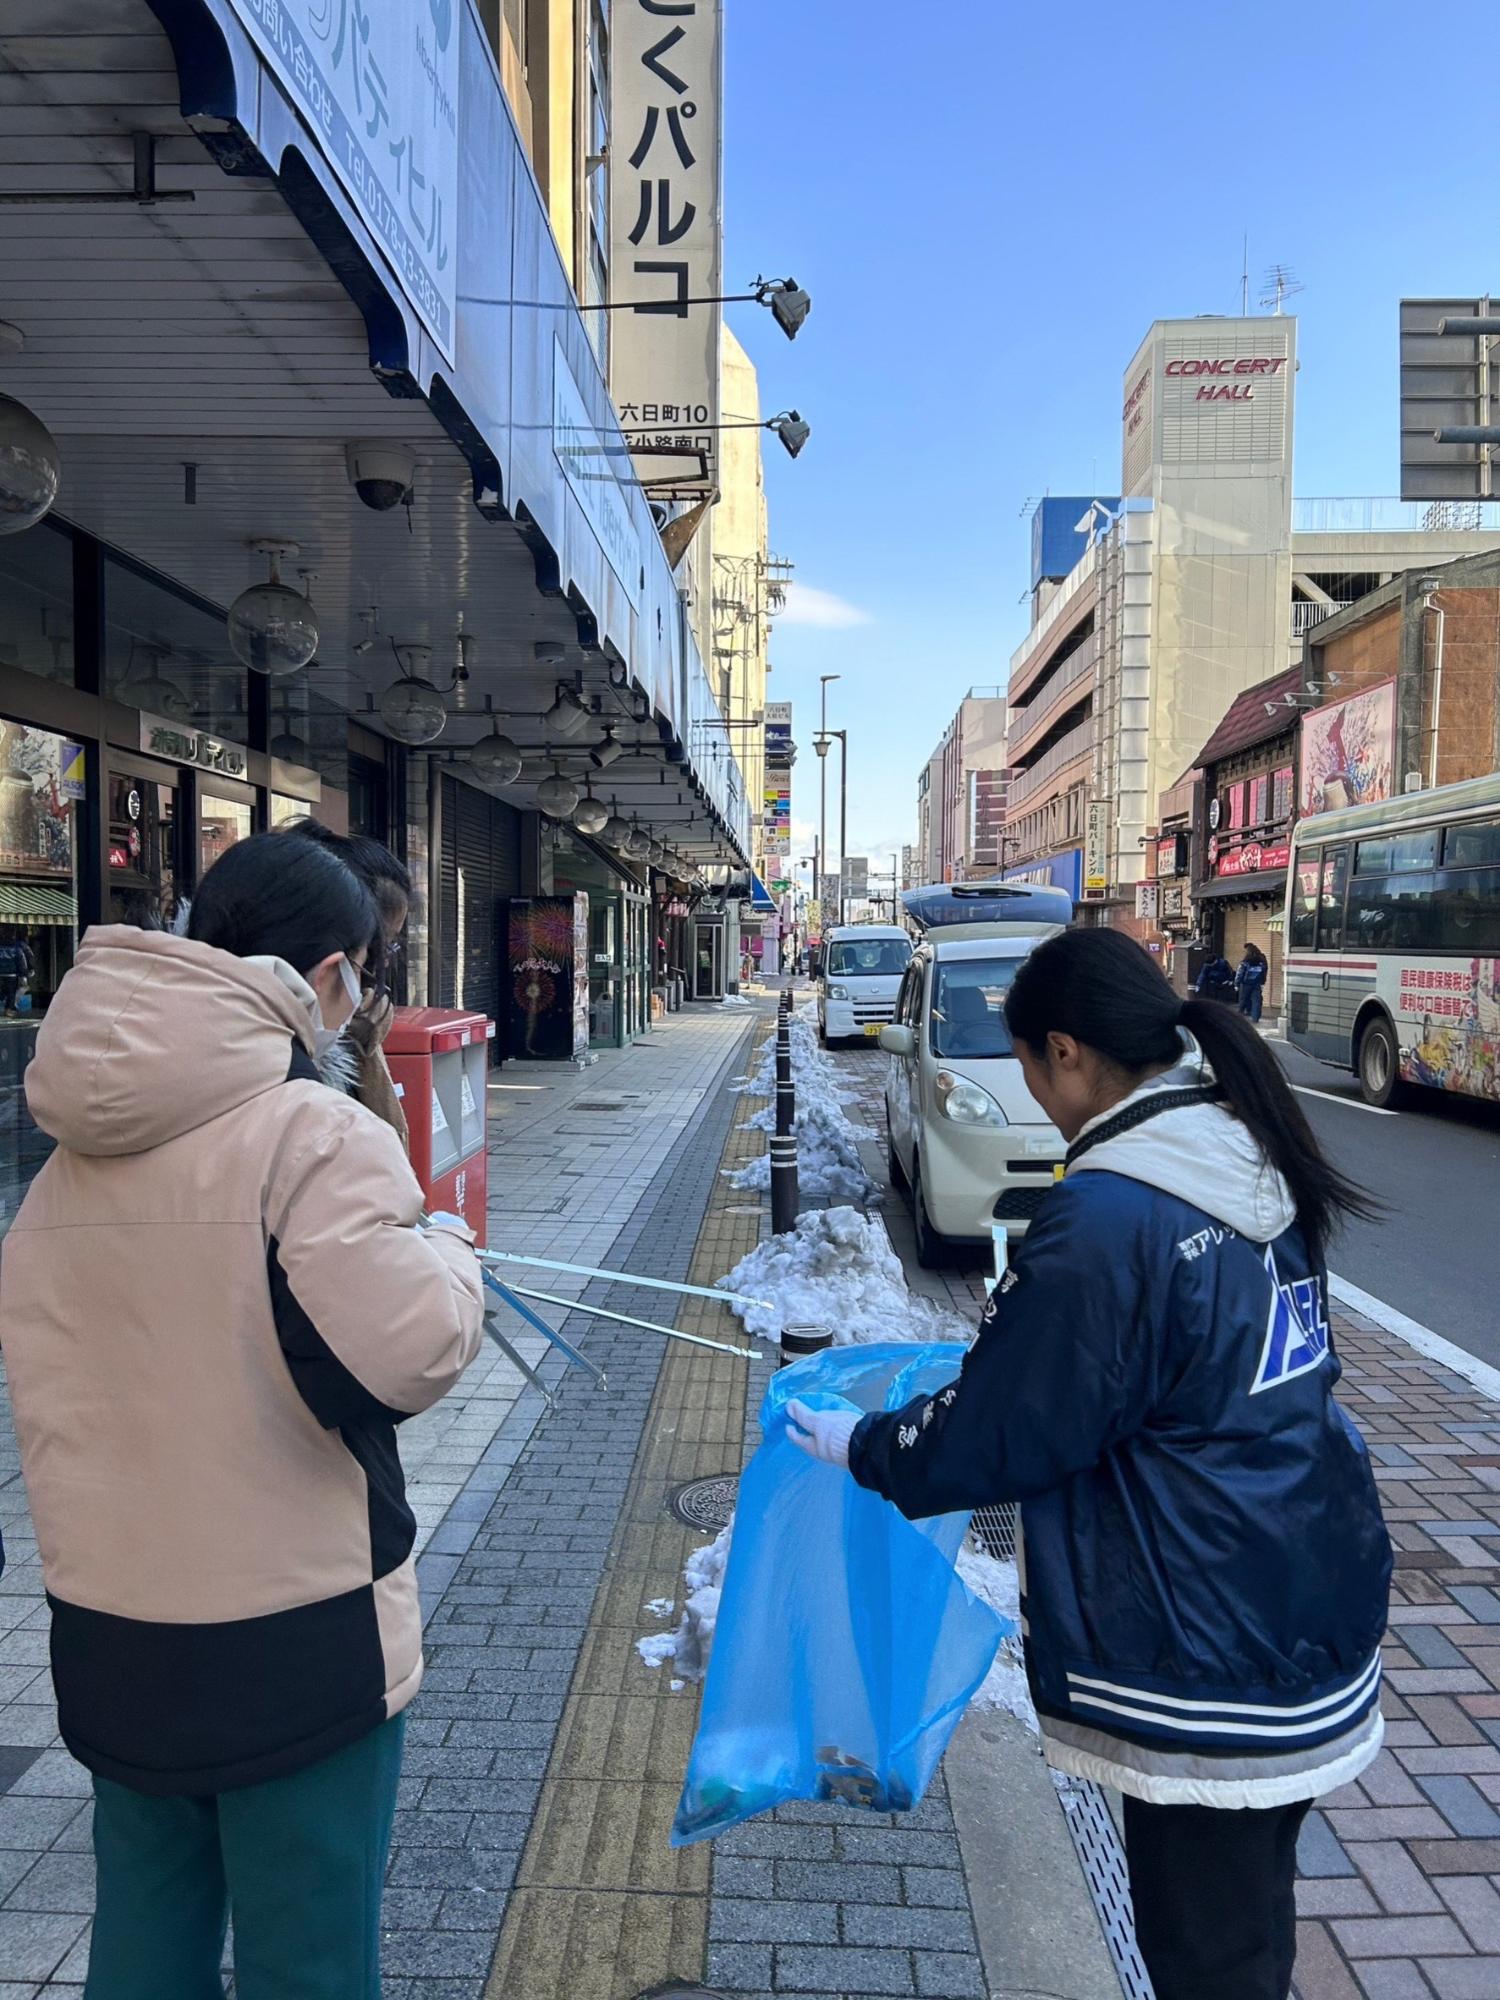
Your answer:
<point x="965" y="1103"/>
<point x="838" y="993"/>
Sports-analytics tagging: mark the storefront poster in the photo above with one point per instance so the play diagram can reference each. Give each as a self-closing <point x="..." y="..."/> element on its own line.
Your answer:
<point x="547" y="942"/>
<point x="36" y="828"/>
<point x="1252" y="859"/>
<point x="1448" y="1024"/>
<point x="1349" y="750"/>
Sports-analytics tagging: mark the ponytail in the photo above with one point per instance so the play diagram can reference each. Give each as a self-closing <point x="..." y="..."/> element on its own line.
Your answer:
<point x="1103" y="989"/>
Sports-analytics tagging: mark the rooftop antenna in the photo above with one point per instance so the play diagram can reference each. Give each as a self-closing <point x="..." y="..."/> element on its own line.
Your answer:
<point x="1280" y="284"/>
<point x="1245" y="277"/>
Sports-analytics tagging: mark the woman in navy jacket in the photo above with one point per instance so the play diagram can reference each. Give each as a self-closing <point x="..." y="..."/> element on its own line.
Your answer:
<point x="1205" y="1570"/>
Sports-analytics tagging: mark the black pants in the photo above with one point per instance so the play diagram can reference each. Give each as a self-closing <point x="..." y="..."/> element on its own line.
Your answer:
<point x="1215" y="1912"/>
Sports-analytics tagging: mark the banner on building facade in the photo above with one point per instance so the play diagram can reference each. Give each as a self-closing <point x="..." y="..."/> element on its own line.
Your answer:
<point x="1252" y="858"/>
<point x="1146" y="901"/>
<point x="666" y="231"/>
<point x="1349" y="751"/>
<point x="1096" y="850"/>
<point x="378" y="87"/>
<point x="779" y="749"/>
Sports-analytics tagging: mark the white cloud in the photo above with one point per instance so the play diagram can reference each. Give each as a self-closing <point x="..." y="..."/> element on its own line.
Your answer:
<point x="806" y="605"/>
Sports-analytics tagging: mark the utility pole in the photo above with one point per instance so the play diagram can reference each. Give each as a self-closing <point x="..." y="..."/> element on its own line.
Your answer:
<point x="821" y="746"/>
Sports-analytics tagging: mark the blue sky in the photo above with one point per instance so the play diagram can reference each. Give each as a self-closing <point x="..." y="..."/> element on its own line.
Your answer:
<point x="989" y="204"/>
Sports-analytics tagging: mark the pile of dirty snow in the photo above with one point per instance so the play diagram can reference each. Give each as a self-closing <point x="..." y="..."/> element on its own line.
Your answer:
<point x="837" y="1269"/>
<point x="688" y="1647"/>
<point x="828" y="1141"/>
<point x="997" y="1584"/>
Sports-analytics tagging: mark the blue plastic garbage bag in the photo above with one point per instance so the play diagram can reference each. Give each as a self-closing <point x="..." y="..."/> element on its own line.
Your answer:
<point x="846" y="1646"/>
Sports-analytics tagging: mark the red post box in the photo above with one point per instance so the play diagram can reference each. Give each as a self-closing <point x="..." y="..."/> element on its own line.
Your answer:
<point x="440" y="1058"/>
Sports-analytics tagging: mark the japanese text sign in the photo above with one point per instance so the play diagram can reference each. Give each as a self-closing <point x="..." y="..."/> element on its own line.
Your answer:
<point x="666" y="237"/>
<point x="377" y="84"/>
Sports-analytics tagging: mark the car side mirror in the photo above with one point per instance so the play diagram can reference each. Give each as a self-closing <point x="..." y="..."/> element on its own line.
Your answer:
<point x="898" y="1040"/>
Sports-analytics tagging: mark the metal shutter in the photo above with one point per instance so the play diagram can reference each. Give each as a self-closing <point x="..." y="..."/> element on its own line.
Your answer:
<point x="481" y="843"/>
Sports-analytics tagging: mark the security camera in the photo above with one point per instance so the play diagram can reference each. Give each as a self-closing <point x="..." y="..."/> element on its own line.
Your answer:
<point x="381" y="474"/>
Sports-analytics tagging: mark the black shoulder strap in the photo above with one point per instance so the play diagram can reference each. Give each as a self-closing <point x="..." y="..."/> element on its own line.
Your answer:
<point x="303" y="1069"/>
<point x="1138" y="1113"/>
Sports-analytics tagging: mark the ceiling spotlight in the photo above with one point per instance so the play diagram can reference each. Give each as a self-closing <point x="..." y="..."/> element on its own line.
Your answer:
<point x="792" y="429"/>
<point x="412" y="708"/>
<point x="789" y="304"/>
<point x="607" y="752"/>
<point x="30" y="467"/>
<point x="568" y="714"/>
<point x="590" y="815"/>
<point x="549" y="653"/>
<point x="494" y="759"/>
<point x="557" y="796"/>
<point x="273" y="629"/>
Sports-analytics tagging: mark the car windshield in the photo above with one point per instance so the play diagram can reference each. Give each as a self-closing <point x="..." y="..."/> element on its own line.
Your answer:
<point x="968" y="1004"/>
<point x="868" y="957"/>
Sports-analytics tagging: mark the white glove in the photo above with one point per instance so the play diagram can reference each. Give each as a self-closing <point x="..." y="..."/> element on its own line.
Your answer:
<point x="822" y="1434"/>
<point x="445" y="1219"/>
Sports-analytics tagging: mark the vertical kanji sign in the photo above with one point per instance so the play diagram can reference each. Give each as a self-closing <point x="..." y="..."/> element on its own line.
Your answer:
<point x="376" y="82"/>
<point x="666" y="229"/>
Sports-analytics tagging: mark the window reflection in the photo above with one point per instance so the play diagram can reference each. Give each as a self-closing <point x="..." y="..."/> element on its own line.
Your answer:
<point x="169" y="656"/>
<point x="36" y="603"/>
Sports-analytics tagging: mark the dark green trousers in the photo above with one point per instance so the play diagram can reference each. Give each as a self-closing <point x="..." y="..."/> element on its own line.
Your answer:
<point x="298" y="1863"/>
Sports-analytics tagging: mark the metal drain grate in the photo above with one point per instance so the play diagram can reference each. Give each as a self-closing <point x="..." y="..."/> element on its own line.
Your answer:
<point x="705" y="1504"/>
<point x="597" y="1104"/>
<point x="1102" y="1860"/>
<point x="996" y="1530"/>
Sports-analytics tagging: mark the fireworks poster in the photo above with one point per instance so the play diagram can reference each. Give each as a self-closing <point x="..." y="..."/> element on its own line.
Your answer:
<point x="546" y="951"/>
<point x="1349" y="751"/>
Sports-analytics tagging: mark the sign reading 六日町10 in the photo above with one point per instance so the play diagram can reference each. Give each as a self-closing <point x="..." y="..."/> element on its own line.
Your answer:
<point x="377" y="83"/>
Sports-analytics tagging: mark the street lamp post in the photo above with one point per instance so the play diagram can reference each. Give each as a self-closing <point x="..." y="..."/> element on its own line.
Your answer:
<point x="821" y="746"/>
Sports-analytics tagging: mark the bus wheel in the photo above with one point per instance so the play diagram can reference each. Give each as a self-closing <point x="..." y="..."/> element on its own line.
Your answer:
<point x="1379" y="1065"/>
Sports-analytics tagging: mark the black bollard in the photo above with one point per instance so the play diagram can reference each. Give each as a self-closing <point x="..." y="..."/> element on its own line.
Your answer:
<point x="786" y="1095"/>
<point x="784" y="1201"/>
<point x="796" y="1341"/>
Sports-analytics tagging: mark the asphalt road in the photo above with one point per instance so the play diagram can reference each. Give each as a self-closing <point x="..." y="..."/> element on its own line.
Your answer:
<point x="1436" y="1168"/>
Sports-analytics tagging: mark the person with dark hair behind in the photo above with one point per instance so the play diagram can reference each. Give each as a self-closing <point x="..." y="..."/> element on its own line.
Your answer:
<point x="389" y="883"/>
<point x="1250" y="981"/>
<point x="1206" y="1568"/>
<point x="1215" y="979"/>
<point x="218" y="1300"/>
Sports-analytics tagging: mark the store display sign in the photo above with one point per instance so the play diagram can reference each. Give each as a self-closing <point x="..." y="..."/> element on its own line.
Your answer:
<point x="666" y="233"/>
<point x="1146" y="901"/>
<point x="779" y="751"/>
<point x="72" y="782"/>
<point x="1095" y="854"/>
<point x="185" y="745"/>
<point x="1349" y="751"/>
<point x="583" y="453"/>
<point x="1253" y="859"/>
<point x="377" y="85"/>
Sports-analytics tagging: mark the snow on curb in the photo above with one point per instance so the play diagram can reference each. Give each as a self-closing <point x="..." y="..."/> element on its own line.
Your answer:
<point x="828" y="1161"/>
<point x="837" y="1269"/>
<point x="688" y="1647"/>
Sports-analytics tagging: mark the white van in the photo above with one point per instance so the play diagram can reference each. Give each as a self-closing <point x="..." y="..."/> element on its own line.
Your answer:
<point x="965" y="1135"/>
<point x="862" y="969"/>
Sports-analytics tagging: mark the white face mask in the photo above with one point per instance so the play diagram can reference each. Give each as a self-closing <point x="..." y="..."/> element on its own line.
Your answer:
<point x="324" y="1037"/>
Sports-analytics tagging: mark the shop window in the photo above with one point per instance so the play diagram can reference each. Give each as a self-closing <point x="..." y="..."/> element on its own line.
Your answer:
<point x="36" y="603"/>
<point x="312" y="732"/>
<point x="169" y="655"/>
<point x="143" y="860"/>
<point x="40" y="782"/>
<point x="221" y="822"/>
<point x="1281" y="795"/>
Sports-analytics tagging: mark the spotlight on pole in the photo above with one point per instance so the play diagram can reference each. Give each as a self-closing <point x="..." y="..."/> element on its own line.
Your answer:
<point x="789" y="304"/>
<point x="792" y="429"/>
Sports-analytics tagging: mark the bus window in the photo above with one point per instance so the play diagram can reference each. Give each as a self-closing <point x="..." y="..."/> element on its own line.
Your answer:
<point x="1395" y="912"/>
<point x="1305" y="899"/>
<point x="1472" y="846"/>
<point x="1331" y="899"/>
<point x="1467" y="910"/>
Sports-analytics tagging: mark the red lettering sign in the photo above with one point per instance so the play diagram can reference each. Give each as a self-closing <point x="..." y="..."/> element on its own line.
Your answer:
<point x="1252" y="859"/>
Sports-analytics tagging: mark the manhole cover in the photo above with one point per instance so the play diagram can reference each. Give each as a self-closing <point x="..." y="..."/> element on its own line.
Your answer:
<point x="708" y="1505"/>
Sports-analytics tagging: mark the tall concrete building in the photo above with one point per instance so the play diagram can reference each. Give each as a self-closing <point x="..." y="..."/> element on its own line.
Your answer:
<point x="1198" y="584"/>
<point x="961" y="792"/>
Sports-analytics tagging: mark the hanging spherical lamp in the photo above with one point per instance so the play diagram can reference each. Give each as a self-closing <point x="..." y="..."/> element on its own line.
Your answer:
<point x="590" y="815"/>
<point x="30" y="467"/>
<point x="638" y="846"/>
<point x="273" y="629"/>
<point x="412" y="708"/>
<point x="557" y="795"/>
<point x="494" y="759"/>
<point x="617" y="831"/>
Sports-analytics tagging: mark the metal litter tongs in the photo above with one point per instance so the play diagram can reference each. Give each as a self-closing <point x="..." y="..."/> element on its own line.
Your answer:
<point x="515" y="1296"/>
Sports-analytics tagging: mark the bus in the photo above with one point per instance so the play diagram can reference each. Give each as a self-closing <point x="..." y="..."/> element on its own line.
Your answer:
<point x="1392" y="934"/>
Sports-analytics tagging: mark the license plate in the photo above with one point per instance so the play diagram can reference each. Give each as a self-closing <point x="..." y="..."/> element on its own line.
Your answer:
<point x="872" y="1029"/>
<point x="1039" y="1149"/>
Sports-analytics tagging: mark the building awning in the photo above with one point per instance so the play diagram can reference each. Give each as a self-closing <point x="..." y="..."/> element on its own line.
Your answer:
<point x="1270" y="882"/>
<point x="34" y="903"/>
<point x="761" y="898"/>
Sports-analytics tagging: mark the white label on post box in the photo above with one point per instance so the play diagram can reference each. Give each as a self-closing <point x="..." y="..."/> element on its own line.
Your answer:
<point x="439" y="1119"/>
<point x="470" y="1108"/>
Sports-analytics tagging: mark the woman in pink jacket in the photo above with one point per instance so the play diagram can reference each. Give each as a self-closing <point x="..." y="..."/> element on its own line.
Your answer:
<point x="217" y="1303"/>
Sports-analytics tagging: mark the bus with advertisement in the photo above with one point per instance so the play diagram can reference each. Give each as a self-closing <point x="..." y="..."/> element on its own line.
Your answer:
<point x="1392" y="932"/>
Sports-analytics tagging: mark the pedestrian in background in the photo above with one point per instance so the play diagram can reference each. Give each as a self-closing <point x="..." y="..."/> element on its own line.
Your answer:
<point x="1206" y="1569"/>
<point x="1216" y="979"/>
<point x="1250" y="981"/>
<point x="17" y="966"/>
<point x="216" y="1304"/>
<point x="387" y="880"/>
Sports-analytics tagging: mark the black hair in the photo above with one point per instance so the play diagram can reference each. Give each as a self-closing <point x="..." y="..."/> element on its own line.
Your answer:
<point x="266" y="897"/>
<point x="1106" y="991"/>
<point x="1255" y="955"/>
<point x="387" y="879"/>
